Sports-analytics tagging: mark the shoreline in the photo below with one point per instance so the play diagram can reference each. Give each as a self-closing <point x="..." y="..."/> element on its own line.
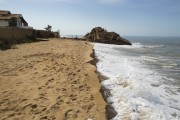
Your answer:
<point x="110" y="111"/>
<point x="50" y="80"/>
<point x="130" y="93"/>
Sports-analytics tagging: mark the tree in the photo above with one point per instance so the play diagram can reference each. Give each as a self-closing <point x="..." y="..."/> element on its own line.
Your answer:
<point x="48" y="28"/>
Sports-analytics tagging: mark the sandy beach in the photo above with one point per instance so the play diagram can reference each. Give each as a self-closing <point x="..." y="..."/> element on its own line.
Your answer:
<point x="51" y="80"/>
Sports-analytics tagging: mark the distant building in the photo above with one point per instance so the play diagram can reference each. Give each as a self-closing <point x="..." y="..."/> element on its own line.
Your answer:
<point x="12" y="20"/>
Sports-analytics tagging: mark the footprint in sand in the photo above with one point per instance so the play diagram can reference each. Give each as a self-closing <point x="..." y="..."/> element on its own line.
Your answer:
<point x="84" y="88"/>
<point x="42" y="91"/>
<point x="55" y="107"/>
<point x="49" y="81"/>
<point x="59" y="100"/>
<point x="69" y="114"/>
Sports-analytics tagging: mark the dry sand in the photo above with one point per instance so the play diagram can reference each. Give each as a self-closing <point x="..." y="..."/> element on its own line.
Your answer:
<point x="50" y="80"/>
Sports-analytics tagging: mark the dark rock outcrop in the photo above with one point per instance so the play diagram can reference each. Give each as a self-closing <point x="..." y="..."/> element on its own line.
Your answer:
<point x="100" y="35"/>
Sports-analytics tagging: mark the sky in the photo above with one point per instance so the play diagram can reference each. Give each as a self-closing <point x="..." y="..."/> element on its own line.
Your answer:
<point x="77" y="17"/>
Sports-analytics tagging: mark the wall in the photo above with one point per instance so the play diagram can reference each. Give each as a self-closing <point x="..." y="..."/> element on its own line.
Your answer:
<point x="8" y="33"/>
<point x="4" y="23"/>
<point x="15" y="35"/>
<point x="20" y="33"/>
<point x="12" y="35"/>
<point x="43" y="34"/>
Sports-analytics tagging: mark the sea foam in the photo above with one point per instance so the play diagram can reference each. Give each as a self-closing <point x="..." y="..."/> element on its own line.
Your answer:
<point x="136" y="91"/>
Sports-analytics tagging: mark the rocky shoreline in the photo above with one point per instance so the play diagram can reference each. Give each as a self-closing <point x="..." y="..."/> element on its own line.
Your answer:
<point x="101" y="35"/>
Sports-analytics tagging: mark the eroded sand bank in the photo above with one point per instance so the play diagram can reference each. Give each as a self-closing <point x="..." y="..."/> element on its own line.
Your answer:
<point x="50" y="80"/>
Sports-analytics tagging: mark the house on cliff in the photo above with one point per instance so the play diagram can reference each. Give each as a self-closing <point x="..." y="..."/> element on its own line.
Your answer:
<point x="12" y="20"/>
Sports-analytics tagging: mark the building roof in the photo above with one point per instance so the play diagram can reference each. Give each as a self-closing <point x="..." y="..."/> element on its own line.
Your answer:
<point x="4" y="12"/>
<point x="10" y="16"/>
<point x="6" y="15"/>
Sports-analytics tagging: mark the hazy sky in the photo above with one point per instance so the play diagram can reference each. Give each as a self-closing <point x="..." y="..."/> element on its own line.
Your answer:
<point x="127" y="17"/>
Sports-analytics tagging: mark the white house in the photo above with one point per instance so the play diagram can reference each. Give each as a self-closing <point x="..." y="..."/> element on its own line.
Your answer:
<point x="6" y="19"/>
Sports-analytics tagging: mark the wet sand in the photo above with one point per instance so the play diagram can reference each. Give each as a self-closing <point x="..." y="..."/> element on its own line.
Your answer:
<point x="50" y="80"/>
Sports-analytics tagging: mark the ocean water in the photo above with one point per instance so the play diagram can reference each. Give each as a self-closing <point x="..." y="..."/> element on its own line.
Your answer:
<point x="72" y="36"/>
<point x="143" y="79"/>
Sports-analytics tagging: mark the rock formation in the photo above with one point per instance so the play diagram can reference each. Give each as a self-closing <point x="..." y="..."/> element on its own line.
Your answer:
<point x="100" y="35"/>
